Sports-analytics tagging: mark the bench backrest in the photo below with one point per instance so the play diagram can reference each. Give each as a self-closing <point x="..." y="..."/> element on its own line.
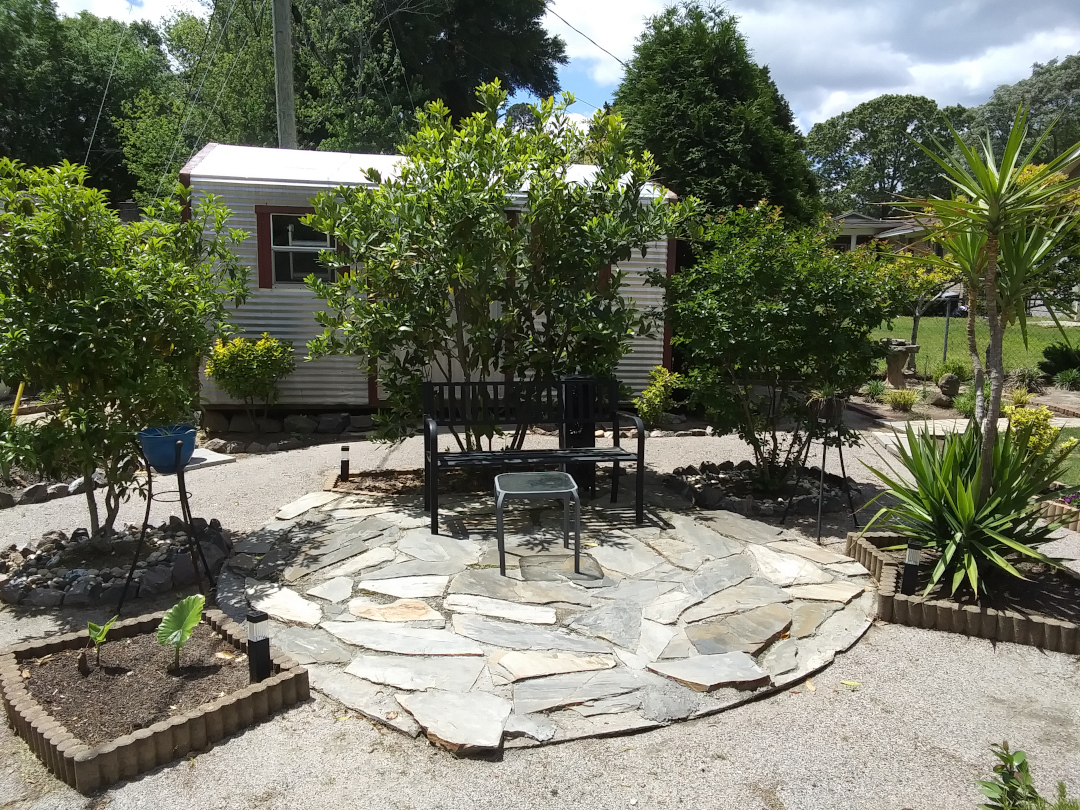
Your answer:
<point x="525" y="402"/>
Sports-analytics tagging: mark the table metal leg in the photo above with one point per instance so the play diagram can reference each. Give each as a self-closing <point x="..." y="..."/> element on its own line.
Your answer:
<point x="565" y="522"/>
<point x="499" y="498"/>
<point x="577" y="532"/>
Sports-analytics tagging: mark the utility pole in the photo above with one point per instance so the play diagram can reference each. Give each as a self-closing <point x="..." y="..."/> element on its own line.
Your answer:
<point x="283" y="75"/>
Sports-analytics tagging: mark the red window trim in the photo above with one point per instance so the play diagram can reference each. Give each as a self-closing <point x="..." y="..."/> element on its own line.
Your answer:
<point x="262" y="237"/>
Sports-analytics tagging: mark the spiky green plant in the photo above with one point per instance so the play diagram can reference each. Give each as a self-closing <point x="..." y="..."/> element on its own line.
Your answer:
<point x="874" y="390"/>
<point x="97" y="633"/>
<point x="1069" y="379"/>
<point x="902" y="399"/>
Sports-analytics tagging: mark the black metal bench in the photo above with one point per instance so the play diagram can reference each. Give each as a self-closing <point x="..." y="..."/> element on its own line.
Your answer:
<point x="473" y="411"/>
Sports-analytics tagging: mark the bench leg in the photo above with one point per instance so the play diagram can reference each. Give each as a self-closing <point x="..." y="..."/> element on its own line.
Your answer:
<point x="577" y="533"/>
<point x="615" y="471"/>
<point x="499" y="533"/>
<point x="640" y="493"/>
<point x="566" y="521"/>
<point x="433" y="499"/>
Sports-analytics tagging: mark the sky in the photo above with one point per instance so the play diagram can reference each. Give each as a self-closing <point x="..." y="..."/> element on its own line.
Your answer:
<point x="825" y="57"/>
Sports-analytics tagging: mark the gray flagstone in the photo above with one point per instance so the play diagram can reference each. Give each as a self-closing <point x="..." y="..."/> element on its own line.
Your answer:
<point x="374" y="702"/>
<point x="402" y="640"/>
<point x="746" y="595"/>
<point x="454" y="673"/>
<point x="704" y="673"/>
<point x="459" y="721"/>
<point x="784" y="569"/>
<point x="522" y="636"/>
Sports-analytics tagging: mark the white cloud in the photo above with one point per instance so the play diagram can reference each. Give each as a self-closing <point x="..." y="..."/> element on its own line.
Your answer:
<point x="152" y="10"/>
<point x="614" y="24"/>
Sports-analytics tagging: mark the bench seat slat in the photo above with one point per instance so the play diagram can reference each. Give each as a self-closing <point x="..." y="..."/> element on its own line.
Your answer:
<point x="496" y="458"/>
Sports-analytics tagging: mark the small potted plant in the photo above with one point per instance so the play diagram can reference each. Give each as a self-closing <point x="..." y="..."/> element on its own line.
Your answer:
<point x="159" y="446"/>
<point x="827" y="404"/>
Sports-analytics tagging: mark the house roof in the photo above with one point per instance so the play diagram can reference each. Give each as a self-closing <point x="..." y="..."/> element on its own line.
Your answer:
<point x="260" y="165"/>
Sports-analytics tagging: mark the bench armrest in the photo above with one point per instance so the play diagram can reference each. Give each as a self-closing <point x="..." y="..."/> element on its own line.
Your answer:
<point x="640" y="433"/>
<point x="431" y="437"/>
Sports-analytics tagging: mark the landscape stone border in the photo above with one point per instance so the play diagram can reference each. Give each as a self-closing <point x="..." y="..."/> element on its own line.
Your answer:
<point x="1030" y="629"/>
<point x="89" y="768"/>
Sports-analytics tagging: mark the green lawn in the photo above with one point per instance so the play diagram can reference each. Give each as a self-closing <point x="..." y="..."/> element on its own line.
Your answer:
<point x="1071" y="474"/>
<point x="932" y="340"/>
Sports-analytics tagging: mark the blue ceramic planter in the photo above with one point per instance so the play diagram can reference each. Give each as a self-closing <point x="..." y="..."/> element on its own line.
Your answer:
<point x="159" y="446"/>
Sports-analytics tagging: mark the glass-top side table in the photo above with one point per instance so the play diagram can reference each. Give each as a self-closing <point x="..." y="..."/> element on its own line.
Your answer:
<point x="538" y="486"/>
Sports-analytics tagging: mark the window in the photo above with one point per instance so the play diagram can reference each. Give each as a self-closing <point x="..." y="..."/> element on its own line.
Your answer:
<point x="295" y="249"/>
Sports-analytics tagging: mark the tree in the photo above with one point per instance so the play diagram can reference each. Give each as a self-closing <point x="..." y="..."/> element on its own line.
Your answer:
<point x="769" y="315"/>
<point x="919" y="282"/>
<point x="1003" y="220"/>
<point x="485" y="256"/>
<point x="714" y="120"/>
<point x="112" y="319"/>
<point x="869" y="157"/>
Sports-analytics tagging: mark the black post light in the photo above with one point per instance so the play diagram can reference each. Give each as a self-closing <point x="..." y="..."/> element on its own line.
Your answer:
<point x="259" y="666"/>
<point x="910" y="580"/>
<point x="344" y="475"/>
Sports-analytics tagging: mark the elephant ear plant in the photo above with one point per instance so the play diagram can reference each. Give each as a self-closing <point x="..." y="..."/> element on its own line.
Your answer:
<point x="176" y="628"/>
<point x="97" y="634"/>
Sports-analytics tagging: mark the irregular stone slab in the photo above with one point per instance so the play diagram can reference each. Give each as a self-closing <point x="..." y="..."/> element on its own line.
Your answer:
<point x="335" y="590"/>
<point x="559" y="568"/>
<point x="282" y="603"/>
<point x="573" y="725"/>
<point x="618" y="622"/>
<point x="522" y="636"/>
<point x="488" y="582"/>
<point x="717" y="575"/>
<point x="260" y="542"/>
<point x="537" y="726"/>
<point x="666" y="572"/>
<point x="668" y="702"/>
<point x="456" y="674"/>
<point x="815" y="553"/>
<point x="738" y="527"/>
<point x="351" y="512"/>
<point x="301" y="505"/>
<point x="326" y="551"/>
<point x="374" y="702"/>
<point x="702" y="537"/>
<point x="634" y="591"/>
<point x="406" y="520"/>
<point x="679" y="646"/>
<point x="678" y="552"/>
<point x="632" y="660"/>
<point x="312" y="646"/>
<point x="782" y="657"/>
<point x="626" y="555"/>
<point x="459" y="721"/>
<point x="784" y="570"/>
<point x="705" y="673"/>
<point x="403" y="610"/>
<point x="369" y="559"/>
<point x="520" y="665"/>
<point x="806" y="616"/>
<point x="402" y="640"/>
<point x="542" y="694"/>
<point x="750" y="632"/>
<point x="611" y="705"/>
<point x="667" y="607"/>
<point x="839" y="591"/>
<point x="746" y="595"/>
<point x="500" y="609"/>
<point x="417" y="568"/>
<point x="834" y="635"/>
<point x="407" y="587"/>
<point x="654" y="638"/>
<point x="849" y="569"/>
<point x="423" y="545"/>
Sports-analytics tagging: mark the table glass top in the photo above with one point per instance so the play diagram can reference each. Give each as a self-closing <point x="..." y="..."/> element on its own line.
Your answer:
<point x="535" y="482"/>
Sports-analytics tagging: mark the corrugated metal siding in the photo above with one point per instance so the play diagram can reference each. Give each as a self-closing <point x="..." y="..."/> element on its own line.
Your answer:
<point x="286" y="312"/>
<point x="645" y="353"/>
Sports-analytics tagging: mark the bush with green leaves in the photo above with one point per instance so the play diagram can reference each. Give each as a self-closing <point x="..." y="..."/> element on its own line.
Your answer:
<point x="111" y="319"/>
<point x="97" y="633"/>
<point x="179" y="623"/>
<point x="658" y="396"/>
<point x="250" y="369"/>
<point x="1013" y="788"/>
<point x="964" y="402"/>
<point x="901" y="399"/>
<point x="1029" y="379"/>
<point x="937" y="502"/>
<point x="874" y="390"/>
<point x="960" y="368"/>
<point x="1068" y="379"/>
<point x="487" y="253"/>
<point x="768" y="314"/>
<point x="1058" y="357"/>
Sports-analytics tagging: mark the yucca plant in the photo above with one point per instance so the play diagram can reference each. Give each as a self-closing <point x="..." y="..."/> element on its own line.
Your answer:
<point x="1068" y="380"/>
<point x="874" y="390"/>
<point x="943" y="509"/>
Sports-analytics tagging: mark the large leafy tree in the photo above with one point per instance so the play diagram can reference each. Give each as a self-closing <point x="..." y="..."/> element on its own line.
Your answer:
<point x="714" y="120"/>
<point x="488" y="254"/>
<point x="870" y="156"/>
<point x="62" y="82"/>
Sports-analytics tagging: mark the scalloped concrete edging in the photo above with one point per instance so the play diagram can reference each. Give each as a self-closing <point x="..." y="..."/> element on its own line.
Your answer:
<point x="89" y="768"/>
<point x="1033" y="629"/>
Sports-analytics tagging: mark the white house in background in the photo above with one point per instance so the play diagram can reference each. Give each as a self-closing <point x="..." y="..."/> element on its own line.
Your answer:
<point x="268" y="191"/>
<point x="900" y="234"/>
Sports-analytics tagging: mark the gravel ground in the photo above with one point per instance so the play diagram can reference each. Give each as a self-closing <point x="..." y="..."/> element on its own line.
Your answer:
<point x="914" y="734"/>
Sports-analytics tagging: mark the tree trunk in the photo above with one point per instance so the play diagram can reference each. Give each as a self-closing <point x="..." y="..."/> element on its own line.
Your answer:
<point x="976" y="361"/>
<point x="995" y="369"/>
<point x="91" y="504"/>
<point x="915" y="318"/>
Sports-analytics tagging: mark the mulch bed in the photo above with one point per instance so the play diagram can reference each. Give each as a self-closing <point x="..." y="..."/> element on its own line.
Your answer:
<point x="134" y="687"/>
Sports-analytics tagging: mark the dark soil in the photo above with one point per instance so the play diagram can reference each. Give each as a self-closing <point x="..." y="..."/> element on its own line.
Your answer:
<point x="134" y="687"/>
<point x="1046" y="591"/>
<point x="411" y="482"/>
<point x="921" y="411"/>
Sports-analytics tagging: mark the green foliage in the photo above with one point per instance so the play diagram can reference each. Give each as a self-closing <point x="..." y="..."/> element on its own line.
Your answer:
<point x="1035" y="424"/>
<point x="178" y="624"/>
<point x="715" y="121"/>
<point x="111" y="319"/>
<point x="658" y="396"/>
<point x="869" y="156"/>
<point x="249" y="370"/>
<point x="902" y="399"/>
<point x="767" y="315"/>
<point x="874" y="390"/>
<point x="1013" y="788"/>
<point x="1059" y="357"/>
<point x="97" y="633"/>
<point x="1068" y="379"/>
<point x="964" y="402"/>
<point x="1020" y="397"/>
<point x="961" y="368"/>
<point x="942" y="508"/>
<point x="1027" y="379"/>
<point x="424" y="283"/>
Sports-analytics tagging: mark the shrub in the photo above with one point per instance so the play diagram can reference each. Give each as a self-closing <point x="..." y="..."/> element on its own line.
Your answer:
<point x="1035" y="423"/>
<point x="874" y="390"/>
<point x="941" y="506"/>
<point x="658" y="396"/>
<point x="1069" y="379"/>
<point x="1029" y="379"/>
<point x="1020" y="398"/>
<point x="902" y="400"/>
<point x="1013" y="788"/>
<point x="249" y="370"/>
<point x="961" y="368"/>
<point x="1059" y="357"/>
<point x="965" y="401"/>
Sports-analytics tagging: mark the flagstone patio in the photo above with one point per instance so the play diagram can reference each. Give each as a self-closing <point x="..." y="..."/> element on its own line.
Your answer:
<point x="688" y="615"/>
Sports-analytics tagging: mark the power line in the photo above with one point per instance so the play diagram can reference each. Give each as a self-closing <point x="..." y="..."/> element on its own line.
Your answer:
<point x="593" y="41"/>
<point x="105" y="94"/>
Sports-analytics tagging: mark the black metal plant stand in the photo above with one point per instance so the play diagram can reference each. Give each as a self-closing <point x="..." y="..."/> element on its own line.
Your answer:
<point x="178" y="495"/>
<point x="821" y="483"/>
